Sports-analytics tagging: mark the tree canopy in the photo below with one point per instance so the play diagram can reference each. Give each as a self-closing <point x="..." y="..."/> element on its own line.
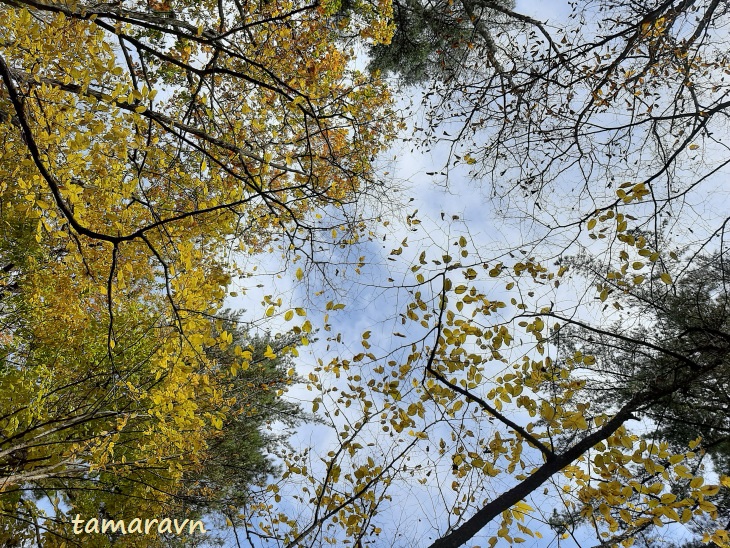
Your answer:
<point x="434" y="40"/>
<point x="602" y="139"/>
<point x="563" y="373"/>
<point x="147" y="148"/>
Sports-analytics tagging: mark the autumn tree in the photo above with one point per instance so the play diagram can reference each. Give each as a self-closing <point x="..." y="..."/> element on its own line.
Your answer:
<point x="236" y="463"/>
<point x="689" y="320"/>
<point x="602" y="136"/>
<point x="148" y="148"/>
<point x="484" y="397"/>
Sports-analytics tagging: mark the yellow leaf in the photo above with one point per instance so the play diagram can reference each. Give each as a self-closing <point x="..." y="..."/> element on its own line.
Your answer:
<point x="682" y="471"/>
<point x="671" y="513"/>
<point x="546" y="411"/>
<point x="668" y="498"/>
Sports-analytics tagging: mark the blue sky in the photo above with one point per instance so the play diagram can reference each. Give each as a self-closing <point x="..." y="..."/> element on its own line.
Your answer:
<point x="373" y="303"/>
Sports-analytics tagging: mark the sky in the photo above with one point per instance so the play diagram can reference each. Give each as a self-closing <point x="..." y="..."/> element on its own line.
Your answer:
<point x="446" y="212"/>
<point x="377" y="305"/>
<point x="370" y="304"/>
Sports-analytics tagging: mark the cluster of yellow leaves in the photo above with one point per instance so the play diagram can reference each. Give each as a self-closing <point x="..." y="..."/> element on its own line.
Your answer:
<point x="504" y="417"/>
<point x="140" y="188"/>
<point x="624" y="483"/>
<point x="637" y="260"/>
